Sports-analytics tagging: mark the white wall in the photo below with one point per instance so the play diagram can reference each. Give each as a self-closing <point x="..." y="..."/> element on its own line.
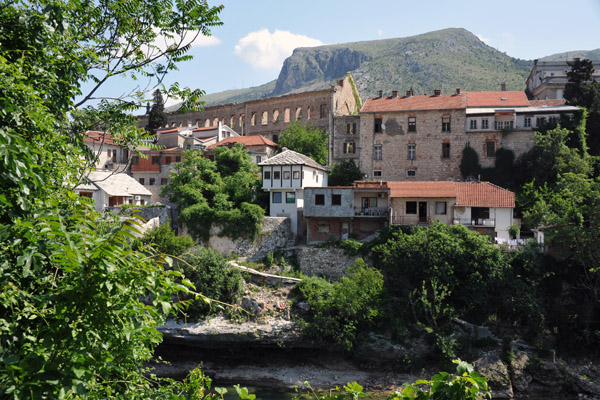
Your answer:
<point x="504" y="219"/>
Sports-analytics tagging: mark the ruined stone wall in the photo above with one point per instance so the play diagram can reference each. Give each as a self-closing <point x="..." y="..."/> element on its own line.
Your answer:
<point x="346" y="130"/>
<point x="275" y="234"/>
<point x="329" y="261"/>
<point x="428" y="163"/>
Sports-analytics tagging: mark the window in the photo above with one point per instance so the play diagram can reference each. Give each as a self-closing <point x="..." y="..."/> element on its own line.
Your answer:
<point x="527" y="122"/>
<point x="298" y="113"/>
<point x="412" y="151"/>
<point x="499" y="125"/>
<point x="309" y="113"/>
<point x="286" y="115"/>
<point x="446" y="123"/>
<point x="197" y="147"/>
<point x="286" y="174"/>
<point x="141" y="181"/>
<point x="351" y="128"/>
<point x="349" y="148"/>
<point x="151" y="183"/>
<point x="490" y="148"/>
<point x="440" y="207"/>
<point x="411" y="207"/>
<point x="377" y="152"/>
<point x="378" y="123"/>
<point x="323" y="111"/>
<point x="178" y="159"/>
<point x="253" y="119"/>
<point x="378" y="173"/>
<point x="265" y="118"/>
<point x="258" y="159"/>
<point x="187" y="146"/>
<point x="473" y="124"/>
<point x="164" y="181"/>
<point x="296" y="175"/>
<point x="369" y="202"/>
<point x="156" y="160"/>
<point x="445" y="150"/>
<point x="319" y="199"/>
<point x="484" y="123"/>
<point x="290" y="197"/>
<point x="336" y="199"/>
<point x="276" y="138"/>
<point x="276" y="174"/>
<point x="276" y="197"/>
<point x="167" y="160"/>
<point x="267" y="175"/>
<point x="412" y="124"/>
<point x="540" y="121"/>
<point x="411" y="173"/>
<point x="135" y="160"/>
<point x="275" y="116"/>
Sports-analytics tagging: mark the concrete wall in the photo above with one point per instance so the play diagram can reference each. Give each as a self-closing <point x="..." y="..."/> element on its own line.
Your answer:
<point x="399" y="215"/>
<point x="328" y="209"/>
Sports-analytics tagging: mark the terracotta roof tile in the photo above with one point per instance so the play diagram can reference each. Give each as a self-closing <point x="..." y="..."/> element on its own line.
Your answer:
<point x="254" y="140"/>
<point x="469" y="194"/>
<point x="422" y="189"/>
<point x="414" y="103"/>
<point x="483" y="194"/>
<point x="208" y="128"/>
<point x="97" y="136"/>
<point x="548" y="102"/>
<point x="495" y="99"/>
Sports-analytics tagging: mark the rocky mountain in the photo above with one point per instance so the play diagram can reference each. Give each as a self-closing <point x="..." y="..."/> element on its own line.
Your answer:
<point x="569" y="55"/>
<point x="445" y="59"/>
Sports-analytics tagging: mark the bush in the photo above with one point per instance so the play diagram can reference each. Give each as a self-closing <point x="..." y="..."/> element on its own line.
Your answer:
<point x="213" y="277"/>
<point x="165" y="241"/>
<point x="345" y="311"/>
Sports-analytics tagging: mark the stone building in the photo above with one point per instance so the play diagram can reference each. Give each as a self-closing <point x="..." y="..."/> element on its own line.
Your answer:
<point x="270" y="116"/>
<point x="346" y="138"/>
<point x="422" y="137"/>
<point x="547" y="79"/>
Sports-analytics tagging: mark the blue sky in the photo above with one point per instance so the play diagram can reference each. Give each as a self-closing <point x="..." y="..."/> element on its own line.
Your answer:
<point x="257" y="35"/>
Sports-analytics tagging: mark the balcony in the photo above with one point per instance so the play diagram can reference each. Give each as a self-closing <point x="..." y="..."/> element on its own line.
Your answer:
<point x="377" y="212"/>
<point x="477" y="222"/>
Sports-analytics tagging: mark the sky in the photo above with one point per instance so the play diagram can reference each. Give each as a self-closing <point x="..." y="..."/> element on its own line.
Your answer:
<point x="258" y="35"/>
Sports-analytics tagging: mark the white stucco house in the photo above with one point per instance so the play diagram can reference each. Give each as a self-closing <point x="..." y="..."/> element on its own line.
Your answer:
<point x="285" y="176"/>
<point x="110" y="189"/>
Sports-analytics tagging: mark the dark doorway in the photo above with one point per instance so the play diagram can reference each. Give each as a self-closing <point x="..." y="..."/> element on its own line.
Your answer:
<point x="422" y="211"/>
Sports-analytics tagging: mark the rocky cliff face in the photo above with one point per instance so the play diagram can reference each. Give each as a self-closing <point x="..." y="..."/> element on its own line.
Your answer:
<point x="315" y="65"/>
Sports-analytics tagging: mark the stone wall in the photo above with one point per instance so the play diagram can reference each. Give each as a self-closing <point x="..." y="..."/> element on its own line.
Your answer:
<point x="330" y="262"/>
<point x="275" y="234"/>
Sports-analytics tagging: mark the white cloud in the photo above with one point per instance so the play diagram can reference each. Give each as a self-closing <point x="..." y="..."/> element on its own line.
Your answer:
<point x="484" y="39"/>
<point x="265" y="50"/>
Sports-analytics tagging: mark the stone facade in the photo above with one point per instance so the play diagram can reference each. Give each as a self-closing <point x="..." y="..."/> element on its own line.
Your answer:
<point x="275" y="234"/>
<point x="329" y="262"/>
<point x="270" y="116"/>
<point x="346" y="139"/>
<point x="398" y="154"/>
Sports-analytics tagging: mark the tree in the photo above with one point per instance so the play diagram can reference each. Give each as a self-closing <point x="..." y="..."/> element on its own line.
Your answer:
<point x="469" y="164"/>
<point x="72" y="323"/>
<point x="220" y="191"/>
<point x="344" y="173"/>
<point x="307" y="140"/>
<point x="157" y="116"/>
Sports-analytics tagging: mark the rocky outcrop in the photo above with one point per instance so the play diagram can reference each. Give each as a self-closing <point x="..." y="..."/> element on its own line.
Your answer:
<point x="330" y="262"/>
<point x="321" y="64"/>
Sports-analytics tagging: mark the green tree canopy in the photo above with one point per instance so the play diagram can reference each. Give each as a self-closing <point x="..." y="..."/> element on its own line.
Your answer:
<point x="307" y="140"/>
<point x="157" y="116"/>
<point x="221" y="191"/>
<point x="344" y="173"/>
<point x="469" y="163"/>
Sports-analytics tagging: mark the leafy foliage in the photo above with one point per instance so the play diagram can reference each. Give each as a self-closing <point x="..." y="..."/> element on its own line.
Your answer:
<point x="307" y="140"/>
<point x="165" y="241"/>
<point x="157" y="116"/>
<point x="220" y="191"/>
<point x="343" y="311"/>
<point x="210" y="274"/>
<point x="469" y="163"/>
<point x="344" y="173"/>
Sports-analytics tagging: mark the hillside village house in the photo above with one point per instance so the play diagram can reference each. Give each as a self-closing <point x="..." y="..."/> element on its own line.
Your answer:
<point x="422" y="137"/>
<point x="367" y="207"/>
<point x="113" y="189"/>
<point x="547" y="79"/>
<point x="110" y="155"/>
<point x="258" y="147"/>
<point x="285" y="176"/>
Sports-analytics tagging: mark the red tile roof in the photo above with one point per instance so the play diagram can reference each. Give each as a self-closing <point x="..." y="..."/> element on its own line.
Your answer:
<point x="495" y="99"/>
<point x="483" y="194"/>
<point x="549" y="102"/>
<point x="171" y="130"/>
<point x="469" y="194"/>
<point x="422" y="189"/>
<point x="254" y="140"/>
<point x="97" y="136"/>
<point x="208" y="128"/>
<point x="414" y="103"/>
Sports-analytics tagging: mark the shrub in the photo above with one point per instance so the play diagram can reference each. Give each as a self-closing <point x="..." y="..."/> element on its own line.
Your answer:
<point x="165" y="241"/>
<point x="213" y="277"/>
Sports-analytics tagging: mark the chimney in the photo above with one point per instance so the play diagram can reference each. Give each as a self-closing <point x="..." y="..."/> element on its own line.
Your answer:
<point x="503" y="86"/>
<point x="437" y="92"/>
<point x="457" y="90"/>
<point x="394" y="93"/>
<point x="409" y="92"/>
<point x="380" y="93"/>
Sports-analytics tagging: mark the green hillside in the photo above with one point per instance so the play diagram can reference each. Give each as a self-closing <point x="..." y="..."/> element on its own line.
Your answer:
<point x="569" y="55"/>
